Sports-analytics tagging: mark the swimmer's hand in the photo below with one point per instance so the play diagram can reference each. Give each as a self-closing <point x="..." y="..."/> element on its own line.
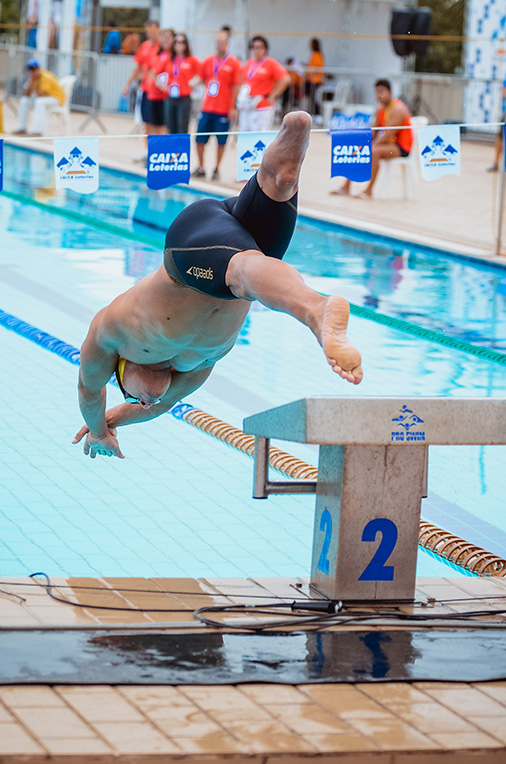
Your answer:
<point x="93" y="446"/>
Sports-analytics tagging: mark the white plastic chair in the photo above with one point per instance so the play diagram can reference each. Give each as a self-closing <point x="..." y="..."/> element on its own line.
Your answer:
<point x="408" y="165"/>
<point x="340" y="97"/>
<point x="63" y="111"/>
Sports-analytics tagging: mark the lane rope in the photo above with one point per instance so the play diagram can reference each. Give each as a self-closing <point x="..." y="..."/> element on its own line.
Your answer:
<point x="440" y="543"/>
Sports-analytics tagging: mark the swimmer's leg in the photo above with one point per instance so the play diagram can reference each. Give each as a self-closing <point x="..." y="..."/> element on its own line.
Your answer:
<point x="278" y="176"/>
<point x="252" y="276"/>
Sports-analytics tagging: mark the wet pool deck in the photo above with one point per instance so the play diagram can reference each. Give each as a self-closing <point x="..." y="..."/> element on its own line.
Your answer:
<point x="388" y="723"/>
<point x="391" y="723"/>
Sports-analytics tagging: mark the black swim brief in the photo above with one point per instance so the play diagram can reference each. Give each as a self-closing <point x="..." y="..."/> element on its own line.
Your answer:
<point x="208" y="233"/>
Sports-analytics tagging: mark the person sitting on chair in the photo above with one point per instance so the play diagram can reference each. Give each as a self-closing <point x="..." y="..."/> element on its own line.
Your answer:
<point x="386" y="144"/>
<point x="42" y="91"/>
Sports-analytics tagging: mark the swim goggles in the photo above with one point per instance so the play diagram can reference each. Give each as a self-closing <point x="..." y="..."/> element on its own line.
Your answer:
<point x="120" y="369"/>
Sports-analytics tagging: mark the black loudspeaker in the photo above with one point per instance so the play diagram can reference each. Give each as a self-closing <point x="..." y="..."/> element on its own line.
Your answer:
<point x="422" y="24"/>
<point x="413" y="21"/>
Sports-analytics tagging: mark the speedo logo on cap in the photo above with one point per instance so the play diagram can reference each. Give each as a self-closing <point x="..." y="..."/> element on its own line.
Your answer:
<point x="200" y="273"/>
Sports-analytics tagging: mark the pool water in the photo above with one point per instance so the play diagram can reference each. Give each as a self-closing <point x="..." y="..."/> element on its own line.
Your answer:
<point x="179" y="504"/>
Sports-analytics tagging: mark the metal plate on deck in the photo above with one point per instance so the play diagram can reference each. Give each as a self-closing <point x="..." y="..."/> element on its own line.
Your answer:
<point x="71" y="657"/>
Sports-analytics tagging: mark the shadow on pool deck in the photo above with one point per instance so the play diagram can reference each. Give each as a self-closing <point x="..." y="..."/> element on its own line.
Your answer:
<point x="458" y="213"/>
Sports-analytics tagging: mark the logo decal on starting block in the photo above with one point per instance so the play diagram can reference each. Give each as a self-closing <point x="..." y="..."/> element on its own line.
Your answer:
<point x="409" y="424"/>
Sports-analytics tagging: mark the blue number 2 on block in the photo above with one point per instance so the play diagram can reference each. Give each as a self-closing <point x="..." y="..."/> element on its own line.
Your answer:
<point x="325" y="523"/>
<point x="377" y="570"/>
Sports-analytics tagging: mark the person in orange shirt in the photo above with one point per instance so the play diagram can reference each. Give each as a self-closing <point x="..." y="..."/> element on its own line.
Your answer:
<point x="156" y="85"/>
<point x="130" y="44"/>
<point x="221" y="73"/>
<point x="142" y="62"/>
<point x="386" y="144"/>
<point x="314" y="75"/>
<point x="181" y="70"/>
<point x="263" y="80"/>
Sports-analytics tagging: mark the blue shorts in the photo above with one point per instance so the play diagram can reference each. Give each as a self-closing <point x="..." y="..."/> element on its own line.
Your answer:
<point x="214" y="123"/>
<point x="208" y="233"/>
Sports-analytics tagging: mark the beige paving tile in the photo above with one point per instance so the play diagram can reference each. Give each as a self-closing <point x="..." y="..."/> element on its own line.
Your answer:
<point x="15" y="740"/>
<point x="77" y="747"/>
<point x="212" y="743"/>
<point x="5" y="716"/>
<point x="150" y="697"/>
<point x="145" y="595"/>
<point x="59" y="614"/>
<point x="190" y="592"/>
<point x="264" y="694"/>
<point x="237" y="589"/>
<point x="13" y="621"/>
<point x="185" y="721"/>
<point x="392" y="734"/>
<point x="282" y="588"/>
<point x="224" y="703"/>
<point x="308" y="718"/>
<point x="431" y="717"/>
<point x="54" y="722"/>
<point x="496" y="690"/>
<point x="467" y="701"/>
<point x="495" y="726"/>
<point x="345" y="701"/>
<point x="268" y="737"/>
<point x="12" y="608"/>
<point x="69" y="689"/>
<point x="90" y="592"/>
<point x="346" y="741"/>
<point x="102" y="706"/>
<point x="20" y="696"/>
<point x="463" y="740"/>
<point x="136" y="737"/>
<point x="391" y="693"/>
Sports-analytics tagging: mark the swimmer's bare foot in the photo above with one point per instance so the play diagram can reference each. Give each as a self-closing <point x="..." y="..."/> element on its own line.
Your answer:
<point x="341" y="191"/>
<point x="278" y="175"/>
<point x="342" y="356"/>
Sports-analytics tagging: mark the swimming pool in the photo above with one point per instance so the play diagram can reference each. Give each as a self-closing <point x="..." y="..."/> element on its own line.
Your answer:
<point x="180" y="504"/>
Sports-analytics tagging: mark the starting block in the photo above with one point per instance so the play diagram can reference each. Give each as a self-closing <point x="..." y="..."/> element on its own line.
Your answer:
<point x="372" y="476"/>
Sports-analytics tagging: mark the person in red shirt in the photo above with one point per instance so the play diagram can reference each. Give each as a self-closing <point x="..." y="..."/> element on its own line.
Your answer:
<point x="158" y="78"/>
<point x="181" y="70"/>
<point x="386" y="144"/>
<point x="263" y="80"/>
<point x="142" y="62"/>
<point x="220" y="74"/>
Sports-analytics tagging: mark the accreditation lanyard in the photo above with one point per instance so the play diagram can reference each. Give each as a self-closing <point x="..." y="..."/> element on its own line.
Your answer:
<point x="174" y="89"/>
<point x="218" y="65"/>
<point x="253" y="68"/>
<point x="214" y="85"/>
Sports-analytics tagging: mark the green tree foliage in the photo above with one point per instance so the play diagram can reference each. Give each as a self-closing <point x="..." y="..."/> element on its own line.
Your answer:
<point x="447" y="19"/>
<point x="10" y="13"/>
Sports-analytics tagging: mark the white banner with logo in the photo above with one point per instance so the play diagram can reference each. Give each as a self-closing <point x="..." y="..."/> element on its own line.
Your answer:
<point x="76" y="164"/>
<point x="250" y="150"/>
<point x="439" y="150"/>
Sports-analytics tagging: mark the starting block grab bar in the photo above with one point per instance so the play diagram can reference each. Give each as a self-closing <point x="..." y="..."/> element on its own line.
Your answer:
<point x="372" y="476"/>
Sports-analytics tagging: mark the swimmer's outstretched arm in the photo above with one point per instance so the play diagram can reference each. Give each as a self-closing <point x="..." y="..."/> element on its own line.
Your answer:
<point x="98" y="361"/>
<point x="182" y="384"/>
